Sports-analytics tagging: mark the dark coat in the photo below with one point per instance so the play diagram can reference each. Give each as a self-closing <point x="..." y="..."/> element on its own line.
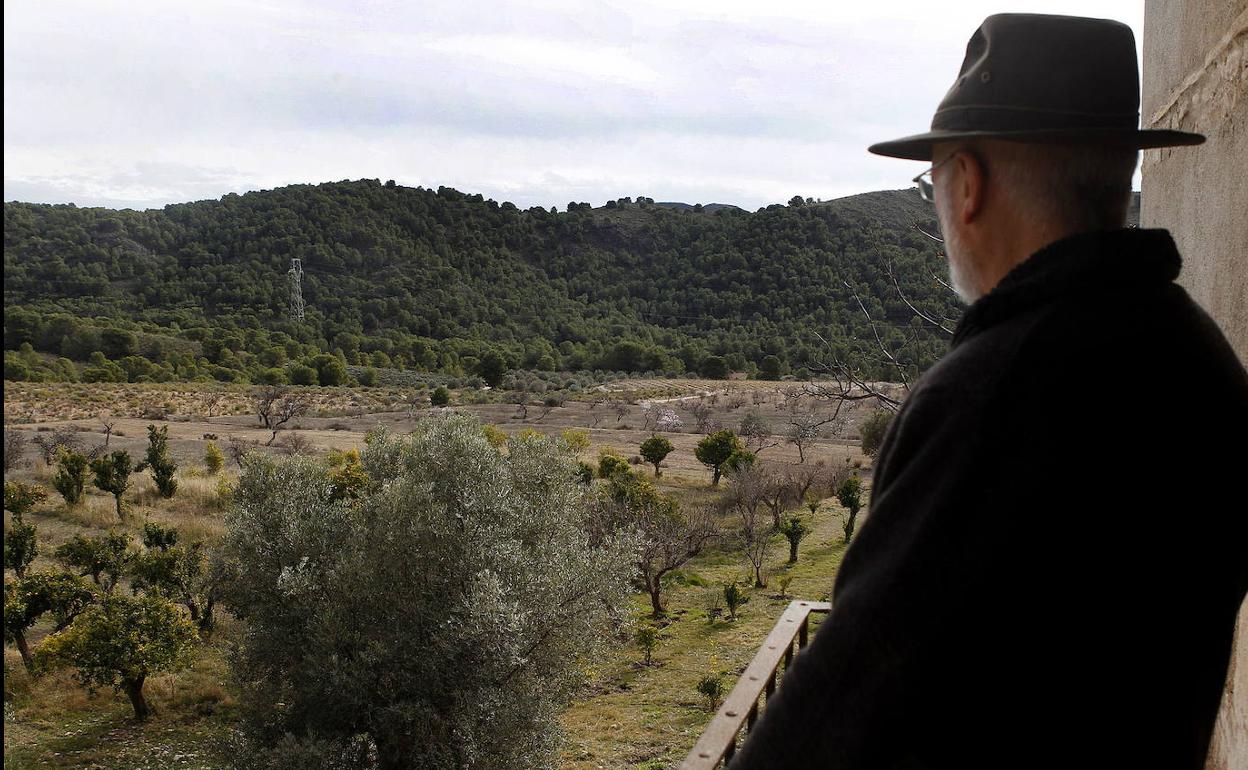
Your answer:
<point x="1057" y="542"/>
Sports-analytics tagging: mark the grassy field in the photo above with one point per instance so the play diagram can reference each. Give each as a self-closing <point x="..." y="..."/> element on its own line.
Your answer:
<point x="629" y="715"/>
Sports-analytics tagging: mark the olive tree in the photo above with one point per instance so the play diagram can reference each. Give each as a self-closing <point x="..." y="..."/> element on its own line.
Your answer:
<point x="443" y="615"/>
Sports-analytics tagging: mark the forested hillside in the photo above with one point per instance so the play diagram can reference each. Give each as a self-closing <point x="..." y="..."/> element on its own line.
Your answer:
<point x="442" y="280"/>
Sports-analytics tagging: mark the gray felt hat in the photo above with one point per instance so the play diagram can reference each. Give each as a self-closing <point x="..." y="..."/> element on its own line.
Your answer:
<point x="1038" y="78"/>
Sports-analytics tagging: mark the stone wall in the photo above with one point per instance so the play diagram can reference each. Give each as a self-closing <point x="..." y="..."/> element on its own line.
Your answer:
<point x="1196" y="79"/>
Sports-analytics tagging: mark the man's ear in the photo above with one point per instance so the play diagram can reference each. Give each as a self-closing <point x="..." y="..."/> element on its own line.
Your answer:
<point x="970" y="186"/>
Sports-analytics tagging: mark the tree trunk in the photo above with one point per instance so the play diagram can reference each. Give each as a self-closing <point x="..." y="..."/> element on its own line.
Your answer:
<point x="801" y="453"/>
<point x="657" y="472"/>
<point x="117" y="499"/>
<point x="715" y="478"/>
<point x="19" y="638"/>
<point x="134" y="690"/>
<point x="793" y="551"/>
<point x="758" y="576"/>
<point x="655" y="589"/>
<point x="206" y="621"/>
<point x="849" y="524"/>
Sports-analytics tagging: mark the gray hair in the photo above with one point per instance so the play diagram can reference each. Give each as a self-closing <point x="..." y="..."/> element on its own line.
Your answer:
<point x="1077" y="187"/>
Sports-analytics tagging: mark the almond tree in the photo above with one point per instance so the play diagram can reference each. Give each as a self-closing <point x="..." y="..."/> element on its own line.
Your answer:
<point x="757" y="432"/>
<point x="669" y="536"/>
<point x="745" y="500"/>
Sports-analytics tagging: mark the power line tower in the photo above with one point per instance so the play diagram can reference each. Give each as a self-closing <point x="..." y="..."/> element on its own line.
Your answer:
<point x="294" y="276"/>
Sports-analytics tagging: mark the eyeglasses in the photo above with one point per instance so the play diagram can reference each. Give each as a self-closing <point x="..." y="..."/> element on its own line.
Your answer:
<point x="924" y="181"/>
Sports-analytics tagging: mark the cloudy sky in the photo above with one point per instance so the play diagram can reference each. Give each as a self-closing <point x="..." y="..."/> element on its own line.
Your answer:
<point x="138" y="104"/>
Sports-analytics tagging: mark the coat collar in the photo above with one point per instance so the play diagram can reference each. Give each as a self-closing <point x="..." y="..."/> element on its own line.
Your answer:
<point x="1095" y="261"/>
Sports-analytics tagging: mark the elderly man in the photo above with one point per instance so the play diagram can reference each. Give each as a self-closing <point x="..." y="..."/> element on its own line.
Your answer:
<point x="1058" y="537"/>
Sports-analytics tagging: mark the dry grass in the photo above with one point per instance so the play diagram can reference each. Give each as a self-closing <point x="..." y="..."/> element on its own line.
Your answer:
<point x="628" y="715"/>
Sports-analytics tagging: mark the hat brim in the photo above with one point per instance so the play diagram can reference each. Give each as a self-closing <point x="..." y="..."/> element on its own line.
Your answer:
<point x="919" y="146"/>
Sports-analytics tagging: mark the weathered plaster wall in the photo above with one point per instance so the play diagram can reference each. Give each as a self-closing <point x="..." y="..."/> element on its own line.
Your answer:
<point x="1196" y="78"/>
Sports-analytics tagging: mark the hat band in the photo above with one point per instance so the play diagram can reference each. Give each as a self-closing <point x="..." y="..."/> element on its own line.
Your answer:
<point x="999" y="118"/>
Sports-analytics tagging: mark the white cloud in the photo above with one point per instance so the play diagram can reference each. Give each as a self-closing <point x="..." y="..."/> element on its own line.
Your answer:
<point x="143" y="103"/>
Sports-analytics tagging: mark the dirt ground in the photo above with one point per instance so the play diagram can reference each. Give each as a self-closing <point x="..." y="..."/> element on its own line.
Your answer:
<point x="613" y="423"/>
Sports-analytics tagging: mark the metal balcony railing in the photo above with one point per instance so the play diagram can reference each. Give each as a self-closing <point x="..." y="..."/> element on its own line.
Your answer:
<point x="740" y="709"/>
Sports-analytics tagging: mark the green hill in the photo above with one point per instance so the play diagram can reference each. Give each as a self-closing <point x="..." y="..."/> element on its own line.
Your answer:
<point x="435" y="279"/>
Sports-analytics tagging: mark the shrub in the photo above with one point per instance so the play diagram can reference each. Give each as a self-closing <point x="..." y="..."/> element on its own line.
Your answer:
<point x="214" y="458"/>
<point x="873" y="430"/>
<point x="656" y="449"/>
<point x="20" y="547"/>
<point x="440" y="396"/>
<point x="577" y="439"/>
<point x="157" y="458"/>
<point x="712" y="686"/>
<point x="71" y="476"/>
<point x="734" y="597"/>
<point x="794" y="530"/>
<point x="714" y="450"/>
<point x="494" y="435"/>
<point x="112" y="474"/>
<point x="610" y="464"/>
<point x="20" y="497"/>
<point x="647" y="638"/>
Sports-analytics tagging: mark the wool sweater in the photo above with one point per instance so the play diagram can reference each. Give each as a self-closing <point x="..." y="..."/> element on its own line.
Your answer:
<point x="1057" y="539"/>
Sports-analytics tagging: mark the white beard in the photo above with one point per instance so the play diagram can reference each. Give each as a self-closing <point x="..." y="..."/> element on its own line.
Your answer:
<point x="962" y="275"/>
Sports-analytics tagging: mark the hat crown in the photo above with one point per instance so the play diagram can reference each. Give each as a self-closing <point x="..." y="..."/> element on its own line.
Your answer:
<point x="1036" y="72"/>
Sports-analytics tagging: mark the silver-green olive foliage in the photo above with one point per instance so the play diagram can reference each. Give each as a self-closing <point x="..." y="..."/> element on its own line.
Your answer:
<point x="444" y="613"/>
